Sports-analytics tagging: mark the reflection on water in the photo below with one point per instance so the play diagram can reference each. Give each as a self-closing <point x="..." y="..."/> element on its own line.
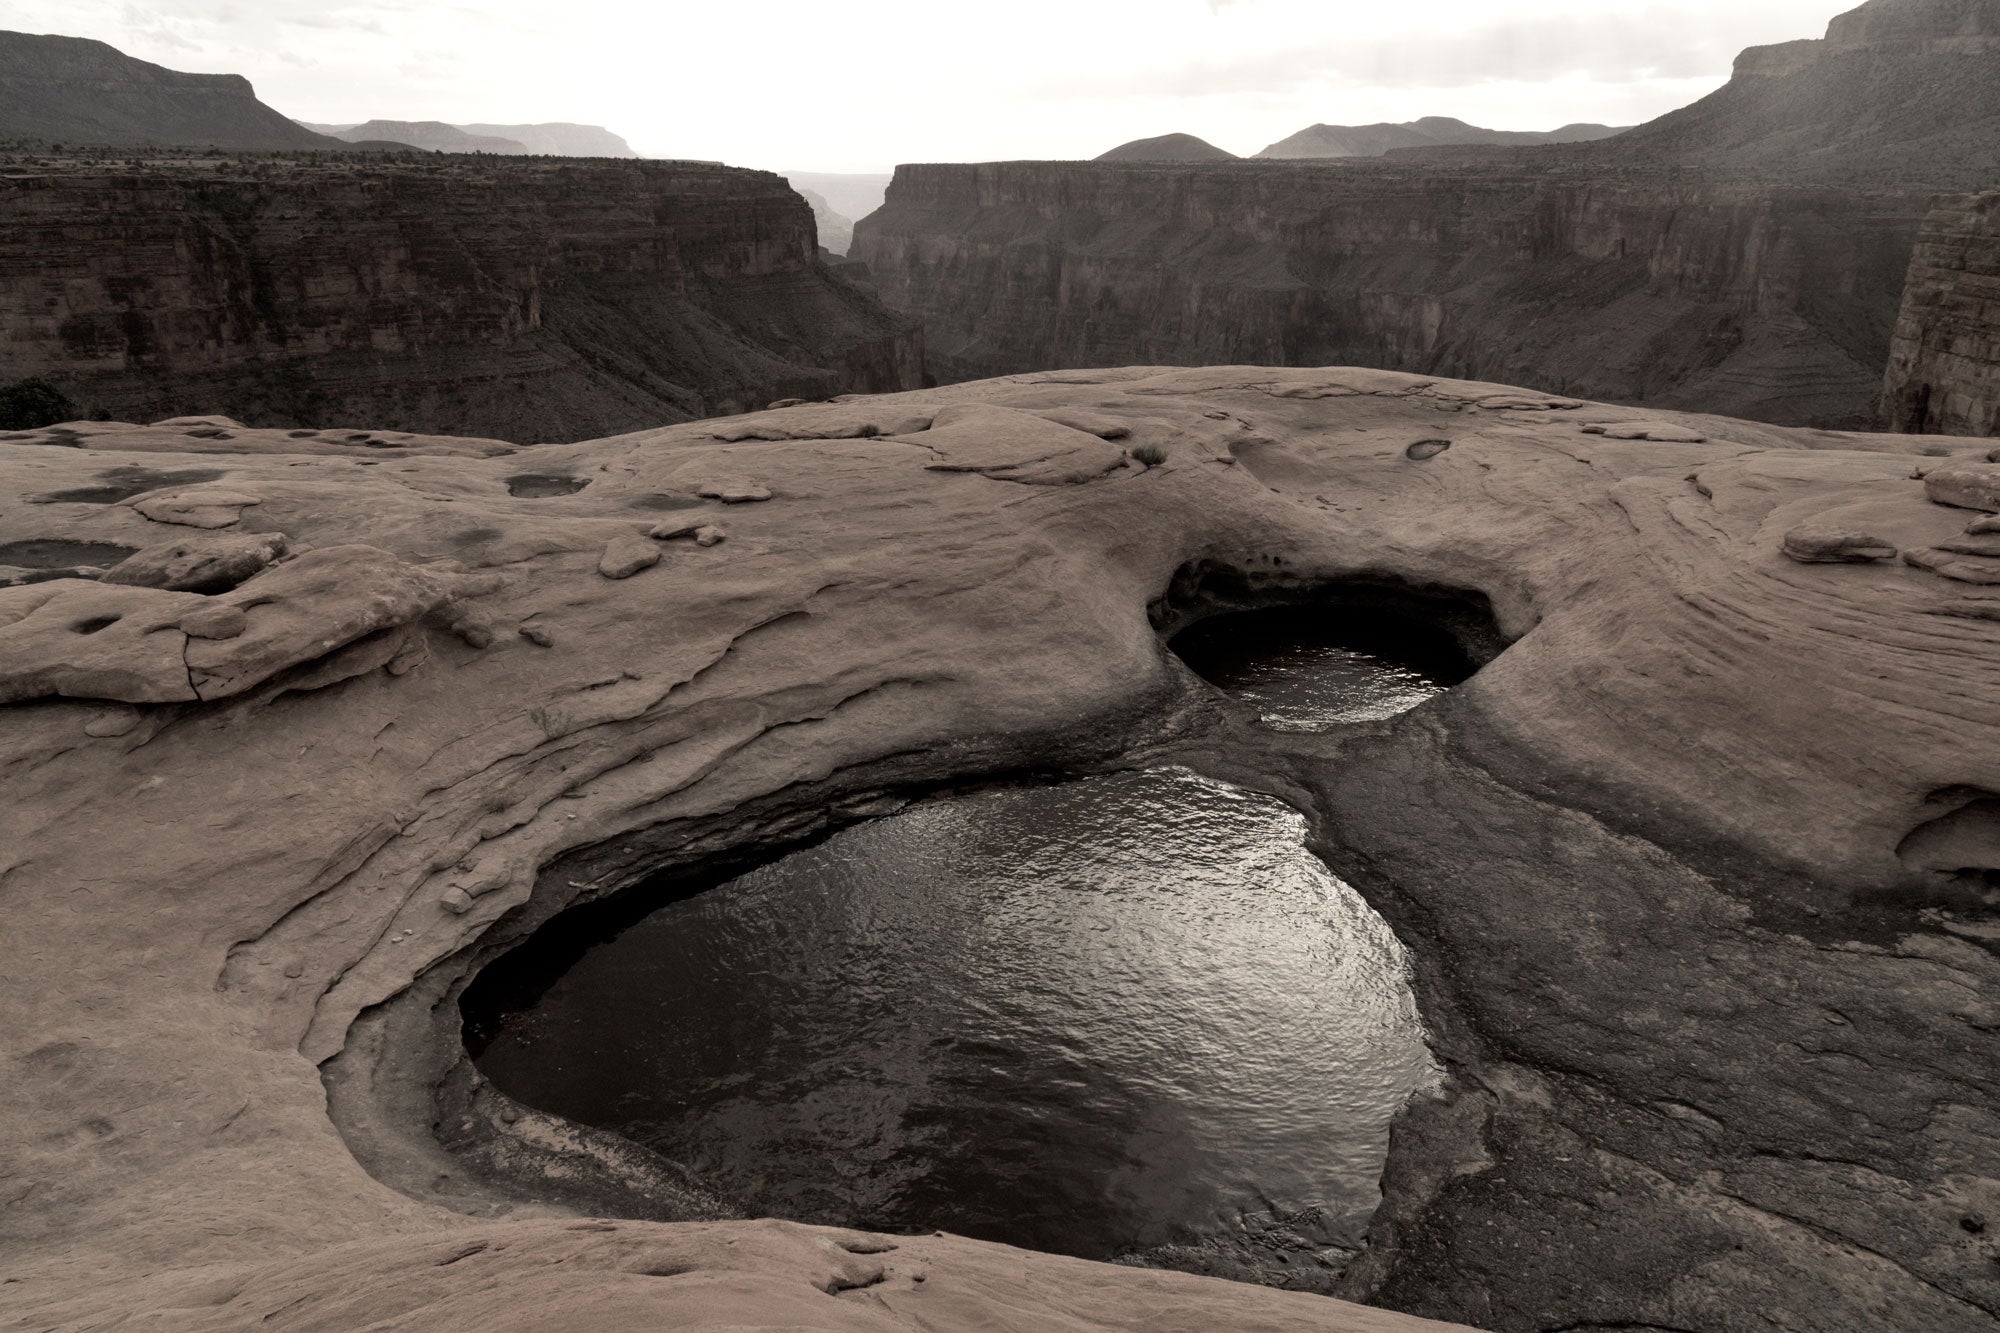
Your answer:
<point x="1087" y="1018"/>
<point x="1309" y="668"/>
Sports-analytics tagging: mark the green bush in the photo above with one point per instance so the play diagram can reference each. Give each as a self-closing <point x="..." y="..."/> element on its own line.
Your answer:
<point x="1152" y="455"/>
<point x="31" y="404"/>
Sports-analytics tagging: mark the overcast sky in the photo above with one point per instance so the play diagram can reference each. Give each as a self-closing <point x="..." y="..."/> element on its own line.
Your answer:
<point x="860" y="85"/>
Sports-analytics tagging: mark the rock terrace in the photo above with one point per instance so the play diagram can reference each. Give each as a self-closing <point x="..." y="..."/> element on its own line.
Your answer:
<point x="1699" y="873"/>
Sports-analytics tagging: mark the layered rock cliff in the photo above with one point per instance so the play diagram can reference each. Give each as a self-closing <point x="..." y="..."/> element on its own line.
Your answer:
<point x="1768" y="302"/>
<point x="531" y="299"/>
<point x="1897" y="92"/>
<point x="1944" y="365"/>
<point x="1743" y="255"/>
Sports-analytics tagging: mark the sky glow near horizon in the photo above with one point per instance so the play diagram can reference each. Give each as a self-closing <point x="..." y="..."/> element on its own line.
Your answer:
<point x="781" y="84"/>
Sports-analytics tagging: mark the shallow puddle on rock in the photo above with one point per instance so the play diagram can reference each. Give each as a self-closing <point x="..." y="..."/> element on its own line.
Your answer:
<point x="1090" y="1017"/>
<point x="56" y="553"/>
<point x="1310" y="668"/>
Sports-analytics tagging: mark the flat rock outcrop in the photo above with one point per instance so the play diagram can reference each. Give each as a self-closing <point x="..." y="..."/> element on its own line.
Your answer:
<point x="536" y="299"/>
<point x="1697" y="873"/>
<point x="1944" y="363"/>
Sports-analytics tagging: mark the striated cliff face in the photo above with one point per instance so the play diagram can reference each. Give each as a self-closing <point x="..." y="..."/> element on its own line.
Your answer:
<point x="1898" y="91"/>
<point x="1944" y="365"/>
<point x="1745" y="254"/>
<point x="1774" y="303"/>
<point x="537" y="300"/>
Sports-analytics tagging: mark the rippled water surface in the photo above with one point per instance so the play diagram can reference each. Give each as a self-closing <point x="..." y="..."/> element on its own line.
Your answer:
<point x="1310" y="668"/>
<point x="1086" y="1017"/>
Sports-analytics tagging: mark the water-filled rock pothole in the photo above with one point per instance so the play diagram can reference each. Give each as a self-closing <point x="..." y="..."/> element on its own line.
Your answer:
<point x="57" y="553"/>
<point x="1093" y="1017"/>
<point x="1311" y="667"/>
<point x="544" y="485"/>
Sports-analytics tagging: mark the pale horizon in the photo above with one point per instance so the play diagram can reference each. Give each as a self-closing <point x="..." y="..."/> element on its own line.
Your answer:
<point x="892" y="82"/>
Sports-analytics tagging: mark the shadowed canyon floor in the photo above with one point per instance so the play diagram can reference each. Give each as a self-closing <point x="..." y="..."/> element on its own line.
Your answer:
<point x="1698" y="874"/>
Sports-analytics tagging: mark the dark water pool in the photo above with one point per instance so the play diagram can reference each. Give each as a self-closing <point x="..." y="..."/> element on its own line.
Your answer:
<point x="1308" y="668"/>
<point x="1088" y="1017"/>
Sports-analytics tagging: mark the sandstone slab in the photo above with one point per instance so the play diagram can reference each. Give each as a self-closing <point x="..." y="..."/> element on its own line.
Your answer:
<point x="1819" y="546"/>
<point x="1009" y="445"/>
<point x="199" y="564"/>
<point x="1691" y="871"/>
<point x="1976" y="487"/>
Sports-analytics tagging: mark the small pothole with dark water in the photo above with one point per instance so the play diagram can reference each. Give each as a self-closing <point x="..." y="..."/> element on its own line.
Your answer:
<point x="544" y="485"/>
<point x="1104" y="1017"/>
<point x="1312" y="667"/>
<point x="1091" y="1017"/>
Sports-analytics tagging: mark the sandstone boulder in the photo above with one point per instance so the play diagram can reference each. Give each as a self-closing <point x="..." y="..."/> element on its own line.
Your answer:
<point x="627" y="555"/>
<point x="1812" y="546"/>
<point x="1978" y="569"/>
<point x="1968" y="487"/>
<point x="208" y="564"/>
<point x="308" y="607"/>
<point x="1011" y="445"/>
<point x="195" y="506"/>
<point x="733" y="490"/>
<point x="87" y="640"/>
<point x="823" y="421"/>
<point x="1661" y="432"/>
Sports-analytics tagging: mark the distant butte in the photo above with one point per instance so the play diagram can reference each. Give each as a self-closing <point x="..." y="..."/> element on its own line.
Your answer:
<point x="1167" y="148"/>
<point x="73" y="90"/>
<point x="1429" y="132"/>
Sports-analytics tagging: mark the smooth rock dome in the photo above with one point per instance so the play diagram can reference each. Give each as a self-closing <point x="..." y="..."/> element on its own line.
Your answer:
<point x="1168" y="148"/>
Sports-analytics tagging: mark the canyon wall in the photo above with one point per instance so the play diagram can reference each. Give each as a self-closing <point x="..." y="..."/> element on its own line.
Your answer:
<point x="1664" y="288"/>
<point x="1898" y="92"/>
<point x="534" y="300"/>
<point x="1944" y="364"/>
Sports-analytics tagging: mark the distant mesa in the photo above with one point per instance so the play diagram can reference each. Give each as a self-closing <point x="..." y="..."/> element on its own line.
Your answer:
<point x="1430" y="132"/>
<point x="74" y="90"/>
<point x="556" y="139"/>
<point x="560" y="139"/>
<point x="1168" y="148"/>
<point x="432" y="135"/>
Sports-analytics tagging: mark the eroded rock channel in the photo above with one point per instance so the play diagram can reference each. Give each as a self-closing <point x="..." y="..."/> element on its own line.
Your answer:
<point x="1127" y="1015"/>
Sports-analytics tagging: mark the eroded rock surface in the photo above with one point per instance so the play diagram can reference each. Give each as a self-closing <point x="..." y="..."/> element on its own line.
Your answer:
<point x="1698" y="874"/>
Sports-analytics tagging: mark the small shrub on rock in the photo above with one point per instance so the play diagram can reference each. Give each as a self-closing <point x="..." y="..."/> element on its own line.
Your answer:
<point x="31" y="404"/>
<point x="1150" y="455"/>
